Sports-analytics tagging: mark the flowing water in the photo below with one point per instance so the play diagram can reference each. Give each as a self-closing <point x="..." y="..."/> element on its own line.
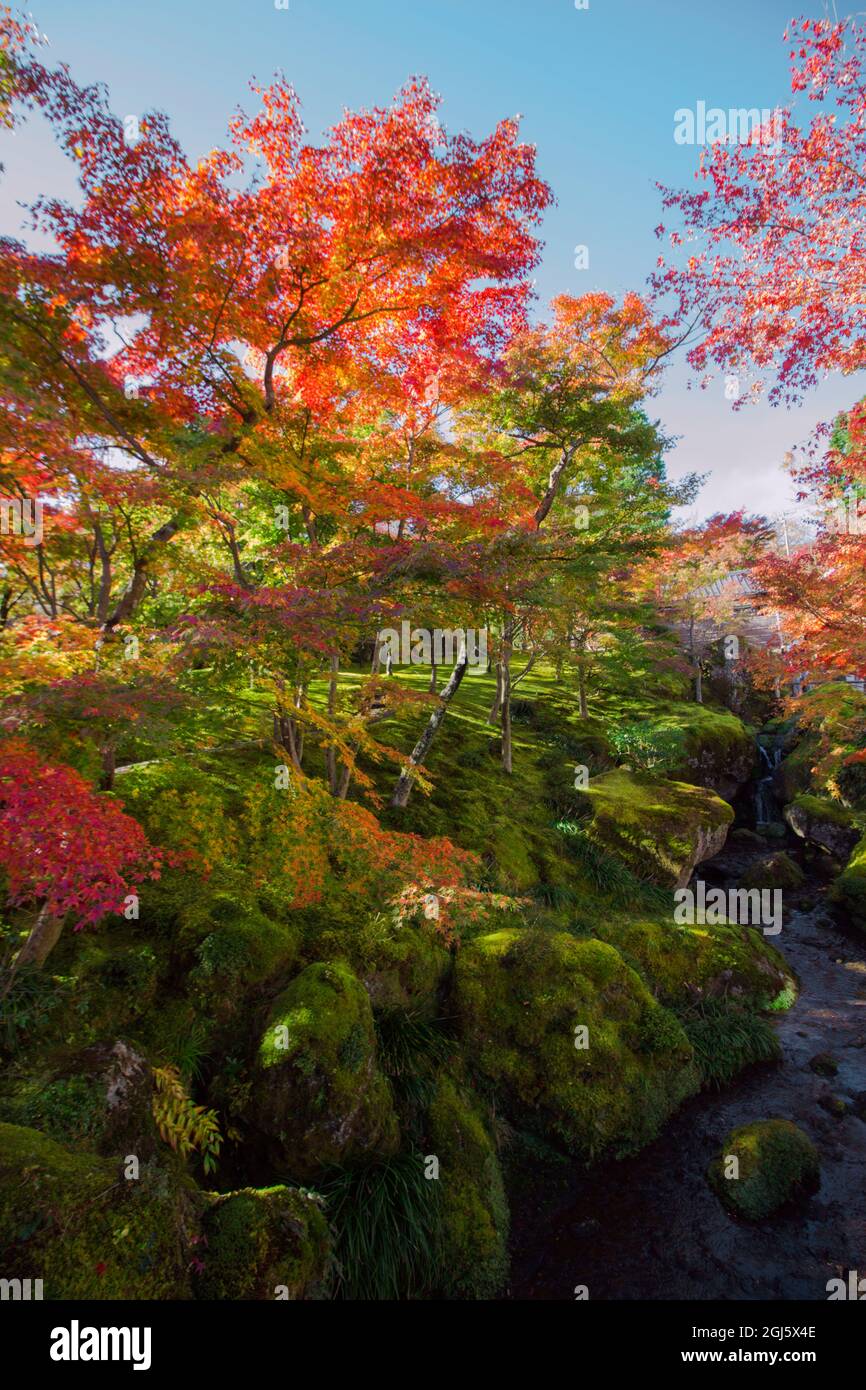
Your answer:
<point x="649" y="1227"/>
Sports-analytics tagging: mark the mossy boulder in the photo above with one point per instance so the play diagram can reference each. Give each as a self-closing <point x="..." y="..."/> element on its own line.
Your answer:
<point x="98" y="1098"/>
<point x="473" y="1238"/>
<point x="776" y="1163"/>
<point x="264" y="1243"/>
<point x="773" y="871"/>
<point x="660" y="828"/>
<point x="824" y="823"/>
<point x="317" y="1096"/>
<point x="241" y="947"/>
<point x="848" y="891"/>
<point x="77" y="1222"/>
<point x="114" y="979"/>
<point x="684" y="965"/>
<point x="401" y="964"/>
<point x="718" y="749"/>
<point x="523" y="994"/>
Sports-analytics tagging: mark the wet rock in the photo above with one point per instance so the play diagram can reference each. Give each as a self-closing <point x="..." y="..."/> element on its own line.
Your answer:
<point x="834" y="1105"/>
<point x="824" y="823"/>
<point x="773" y="871"/>
<point x="823" y="1064"/>
<point x="763" y="1167"/>
<point x="748" y="838"/>
<point x="858" y="1105"/>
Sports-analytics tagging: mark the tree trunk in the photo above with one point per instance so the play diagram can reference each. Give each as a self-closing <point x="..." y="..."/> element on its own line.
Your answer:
<point x="331" y="753"/>
<point x="406" y="779"/>
<point x="433" y="678"/>
<point x="699" y="694"/>
<point x="106" y="781"/>
<point x="581" y="689"/>
<point x="505" y="713"/>
<point x="496" y="708"/>
<point x="44" y="935"/>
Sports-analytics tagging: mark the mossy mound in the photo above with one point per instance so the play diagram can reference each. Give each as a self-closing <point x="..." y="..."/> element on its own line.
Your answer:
<point x="776" y="1164"/>
<point x="242" y="949"/>
<point x="687" y="964"/>
<point x="522" y="994"/>
<point x="718" y="749"/>
<point x="98" y="1098"/>
<point x="473" y="1234"/>
<point x="660" y="829"/>
<point x="773" y="871"/>
<point x="264" y="1243"/>
<point x="113" y="982"/>
<point x="402" y="965"/>
<point x="317" y="1094"/>
<point x="822" y="822"/>
<point x="848" y="891"/>
<point x="76" y="1222"/>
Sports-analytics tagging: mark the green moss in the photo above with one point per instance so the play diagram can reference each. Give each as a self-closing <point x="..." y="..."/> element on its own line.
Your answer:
<point x="76" y="1222"/>
<point x="260" y="1240"/>
<point x="823" y="809"/>
<point x="115" y="976"/>
<point x="68" y="1109"/>
<point x="244" y="948"/>
<point x="402" y="965"/>
<point x="521" y="995"/>
<point x="776" y="1164"/>
<point x="717" y="749"/>
<point x="848" y="891"/>
<point x="773" y="871"/>
<point x="474" y="1213"/>
<point x="686" y="963"/>
<point x="661" y="829"/>
<point x="317" y="1094"/>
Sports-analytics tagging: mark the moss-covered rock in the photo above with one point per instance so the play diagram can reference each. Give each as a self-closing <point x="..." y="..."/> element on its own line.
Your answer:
<point x="242" y="949"/>
<point x="522" y="996"/>
<point x="686" y="964"/>
<point x="718" y="749"/>
<point x="317" y="1094"/>
<point x="402" y="964"/>
<point x="114" y="982"/>
<point x="96" y="1098"/>
<point x="264" y="1243"/>
<point x="822" y="822"/>
<point x="848" y="891"/>
<point x="661" y="829"/>
<point x="776" y="1163"/>
<point x="474" y="1213"/>
<point x="773" y="871"/>
<point x="86" y="1229"/>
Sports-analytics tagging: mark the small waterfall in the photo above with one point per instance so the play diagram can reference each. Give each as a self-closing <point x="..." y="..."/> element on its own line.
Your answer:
<point x="766" y="806"/>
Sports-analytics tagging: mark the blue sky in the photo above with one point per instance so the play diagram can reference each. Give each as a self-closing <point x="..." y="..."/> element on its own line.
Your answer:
<point x="597" y="90"/>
